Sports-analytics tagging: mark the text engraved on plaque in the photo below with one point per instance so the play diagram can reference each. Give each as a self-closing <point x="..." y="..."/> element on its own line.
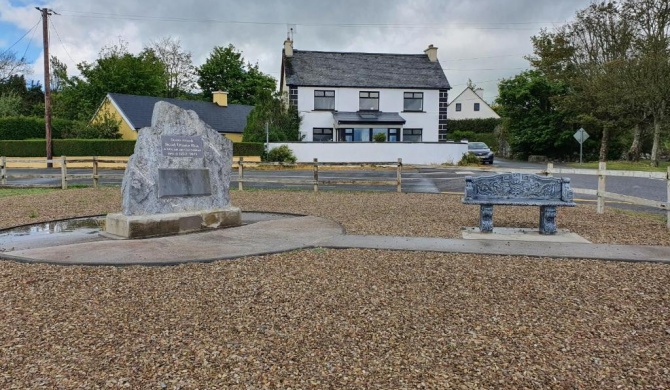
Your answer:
<point x="181" y="146"/>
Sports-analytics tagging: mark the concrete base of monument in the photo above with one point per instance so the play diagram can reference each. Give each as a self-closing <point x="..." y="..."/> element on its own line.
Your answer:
<point x="157" y="225"/>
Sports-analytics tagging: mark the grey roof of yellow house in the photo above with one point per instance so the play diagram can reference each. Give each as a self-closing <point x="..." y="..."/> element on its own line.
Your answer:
<point x="138" y="110"/>
<point x="363" y="70"/>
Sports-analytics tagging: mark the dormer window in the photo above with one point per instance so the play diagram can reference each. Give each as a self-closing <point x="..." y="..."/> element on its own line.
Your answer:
<point x="368" y="101"/>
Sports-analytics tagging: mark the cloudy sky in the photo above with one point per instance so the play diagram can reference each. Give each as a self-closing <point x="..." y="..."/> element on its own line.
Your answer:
<point x="481" y="40"/>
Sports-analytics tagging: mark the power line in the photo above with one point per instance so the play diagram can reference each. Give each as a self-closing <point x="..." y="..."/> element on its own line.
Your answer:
<point x="61" y="41"/>
<point x="23" y="36"/>
<point x="480" y="26"/>
<point x="29" y="42"/>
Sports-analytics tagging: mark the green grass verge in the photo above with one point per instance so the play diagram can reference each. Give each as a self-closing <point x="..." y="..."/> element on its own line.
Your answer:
<point x="4" y="192"/>
<point x="644" y="166"/>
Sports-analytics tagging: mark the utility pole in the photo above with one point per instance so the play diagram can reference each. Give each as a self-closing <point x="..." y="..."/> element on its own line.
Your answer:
<point x="47" y="82"/>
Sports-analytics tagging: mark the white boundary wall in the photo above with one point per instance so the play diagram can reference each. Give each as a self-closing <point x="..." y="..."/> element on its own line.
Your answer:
<point x="411" y="153"/>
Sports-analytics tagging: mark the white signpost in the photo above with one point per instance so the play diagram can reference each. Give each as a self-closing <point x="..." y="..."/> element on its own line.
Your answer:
<point x="581" y="135"/>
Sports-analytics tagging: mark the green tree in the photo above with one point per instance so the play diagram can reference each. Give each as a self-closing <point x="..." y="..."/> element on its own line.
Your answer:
<point x="10" y="104"/>
<point x="283" y="122"/>
<point x="533" y="124"/>
<point x="225" y="70"/>
<point x="115" y="71"/>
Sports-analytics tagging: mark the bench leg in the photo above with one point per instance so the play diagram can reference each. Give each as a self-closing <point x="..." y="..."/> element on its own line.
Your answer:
<point x="486" y="218"/>
<point x="547" y="219"/>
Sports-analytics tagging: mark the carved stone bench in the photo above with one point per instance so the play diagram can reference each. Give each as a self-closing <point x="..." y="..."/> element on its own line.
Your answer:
<point x="518" y="189"/>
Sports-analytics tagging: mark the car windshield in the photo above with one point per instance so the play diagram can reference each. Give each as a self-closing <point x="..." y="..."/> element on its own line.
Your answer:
<point x="477" y="145"/>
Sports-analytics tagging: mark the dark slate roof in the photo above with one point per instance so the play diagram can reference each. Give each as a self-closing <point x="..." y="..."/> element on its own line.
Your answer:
<point x="138" y="110"/>
<point x="363" y="70"/>
<point x="343" y="118"/>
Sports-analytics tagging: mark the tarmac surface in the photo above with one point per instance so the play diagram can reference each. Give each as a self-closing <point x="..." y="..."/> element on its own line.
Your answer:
<point x="266" y="233"/>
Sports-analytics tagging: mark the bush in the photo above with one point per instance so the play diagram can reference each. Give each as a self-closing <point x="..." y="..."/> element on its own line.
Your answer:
<point x="19" y="128"/>
<point x="379" y="137"/>
<point x="489" y="139"/>
<point x="248" y="149"/>
<point x="469" y="159"/>
<point x="282" y="154"/>
<point x="473" y="125"/>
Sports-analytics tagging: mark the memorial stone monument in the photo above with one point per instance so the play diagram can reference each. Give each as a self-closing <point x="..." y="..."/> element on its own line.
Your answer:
<point x="177" y="180"/>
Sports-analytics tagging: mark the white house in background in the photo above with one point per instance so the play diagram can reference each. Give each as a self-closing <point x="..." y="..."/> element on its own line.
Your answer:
<point x="345" y="99"/>
<point x="470" y="104"/>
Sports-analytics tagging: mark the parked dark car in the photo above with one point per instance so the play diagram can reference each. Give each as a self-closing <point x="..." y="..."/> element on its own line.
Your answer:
<point x="482" y="151"/>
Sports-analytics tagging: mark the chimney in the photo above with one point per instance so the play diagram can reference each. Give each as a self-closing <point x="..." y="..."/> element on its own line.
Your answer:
<point x="431" y="52"/>
<point x="288" y="47"/>
<point x="480" y="93"/>
<point x="220" y="98"/>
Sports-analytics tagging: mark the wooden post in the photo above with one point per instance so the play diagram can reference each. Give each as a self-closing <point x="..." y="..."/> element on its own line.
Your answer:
<point x="667" y="205"/>
<point x="399" y="175"/>
<point x="240" y="174"/>
<point x="550" y="168"/>
<point x="3" y="170"/>
<point x="602" y="167"/>
<point x="95" y="171"/>
<point x="63" y="172"/>
<point x="316" y="175"/>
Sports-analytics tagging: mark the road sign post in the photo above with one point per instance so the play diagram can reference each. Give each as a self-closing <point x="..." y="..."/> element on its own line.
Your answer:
<point x="581" y="135"/>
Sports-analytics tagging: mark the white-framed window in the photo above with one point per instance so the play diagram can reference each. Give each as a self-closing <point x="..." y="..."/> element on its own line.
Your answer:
<point x="320" y="134"/>
<point x="458" y="106"/>
<point x="324" y="99"/>
<point x="412" y="135"/>
<point x="413" y="101"/>
<point x="368" y="100"/>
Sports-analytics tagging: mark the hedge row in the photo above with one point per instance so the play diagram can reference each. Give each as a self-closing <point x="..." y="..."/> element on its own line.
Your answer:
<point x="473" y="125"/>
<point x="487" y="138"/>
<point x="20" y="128"/>
<point x="97" y="147"/>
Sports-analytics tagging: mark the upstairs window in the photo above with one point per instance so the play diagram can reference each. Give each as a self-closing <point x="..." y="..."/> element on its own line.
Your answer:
<point x="368" y="100"/>
<point x="324" y="100"/>
<point x="458" y="106"/>
<point x="413" y="101"/>
<point x="476" y="106"/>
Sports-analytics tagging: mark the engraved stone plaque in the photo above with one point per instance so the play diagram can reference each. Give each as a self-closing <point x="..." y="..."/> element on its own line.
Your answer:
<point x="181" y="146"/>
<point x="183" y="182"/>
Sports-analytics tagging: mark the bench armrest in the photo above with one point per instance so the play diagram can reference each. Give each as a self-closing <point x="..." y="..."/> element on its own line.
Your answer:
<point x="469" y="188"/>
<point x="566" y="192"/>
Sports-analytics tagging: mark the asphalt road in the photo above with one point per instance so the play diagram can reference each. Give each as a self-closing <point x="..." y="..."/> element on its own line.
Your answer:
<point x="414" y="179"/>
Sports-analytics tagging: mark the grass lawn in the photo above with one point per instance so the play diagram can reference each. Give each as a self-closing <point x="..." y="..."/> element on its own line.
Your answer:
<point x="625" y="166"/>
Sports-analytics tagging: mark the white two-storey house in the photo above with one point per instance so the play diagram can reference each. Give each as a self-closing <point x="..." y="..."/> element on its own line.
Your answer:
<point x="350" y="97"/>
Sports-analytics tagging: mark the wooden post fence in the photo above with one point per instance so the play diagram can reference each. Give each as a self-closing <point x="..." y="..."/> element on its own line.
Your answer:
<point x="316" y="175"/>
<point x="399" y="175"/>
<point x="95" y="171"/>
<point x="63" y="172"/>
<point x="602" y="167"/>
<point x="240" y="174"/>
<point x="3" y="170"/>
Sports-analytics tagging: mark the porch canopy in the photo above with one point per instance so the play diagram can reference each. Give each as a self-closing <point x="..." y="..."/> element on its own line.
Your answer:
<point x="343" y="118"/>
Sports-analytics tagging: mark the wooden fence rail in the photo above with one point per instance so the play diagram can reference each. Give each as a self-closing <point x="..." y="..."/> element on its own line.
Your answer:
<point x="318" y="179"/>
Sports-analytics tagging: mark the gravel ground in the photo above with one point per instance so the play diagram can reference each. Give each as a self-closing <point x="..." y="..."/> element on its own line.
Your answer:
<point x="341" y="318"/>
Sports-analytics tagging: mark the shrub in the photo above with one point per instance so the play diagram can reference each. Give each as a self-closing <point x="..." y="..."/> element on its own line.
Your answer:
<point x="379" y="137"/>
<point x="248" y="149"/>
<point x="474" y="125"/>
<point x="469" y="159"/>
<point x="282" y="154"/>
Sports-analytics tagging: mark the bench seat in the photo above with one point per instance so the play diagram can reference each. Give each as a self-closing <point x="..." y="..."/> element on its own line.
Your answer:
<point x="518" y="189"/>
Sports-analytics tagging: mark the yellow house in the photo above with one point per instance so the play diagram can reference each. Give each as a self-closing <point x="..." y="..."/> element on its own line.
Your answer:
<point x="134" y="112"/>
